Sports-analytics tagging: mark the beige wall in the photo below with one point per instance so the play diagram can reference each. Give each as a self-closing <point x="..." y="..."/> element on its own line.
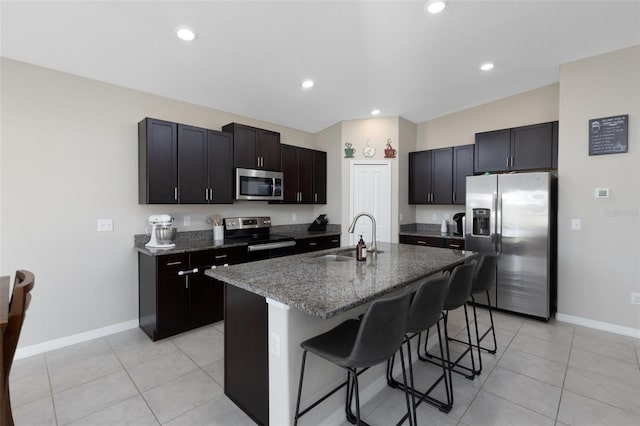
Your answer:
<point x="329" y="140"/>
<point x="377" y="131"/>
<point x="69" y="157"/>
<point x="599" y="266"/>
<point x="407" y="144"/>
<point x="535" y="106"/>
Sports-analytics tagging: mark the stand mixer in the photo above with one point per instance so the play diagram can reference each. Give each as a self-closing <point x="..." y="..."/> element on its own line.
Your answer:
<point x="162" y="234"/>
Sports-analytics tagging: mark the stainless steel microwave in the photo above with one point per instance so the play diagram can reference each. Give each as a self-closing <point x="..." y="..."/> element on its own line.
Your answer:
<point x="254" y="184"/>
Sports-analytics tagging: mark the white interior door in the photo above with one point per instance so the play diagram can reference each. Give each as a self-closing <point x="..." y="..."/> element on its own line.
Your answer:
<point x="370" y="192"/>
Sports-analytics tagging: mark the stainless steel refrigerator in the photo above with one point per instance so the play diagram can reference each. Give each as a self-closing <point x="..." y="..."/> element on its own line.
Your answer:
<point x="514" y="215"/>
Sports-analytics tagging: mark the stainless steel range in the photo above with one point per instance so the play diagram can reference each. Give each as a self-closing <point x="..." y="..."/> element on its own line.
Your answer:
<point x="256" y="232"/>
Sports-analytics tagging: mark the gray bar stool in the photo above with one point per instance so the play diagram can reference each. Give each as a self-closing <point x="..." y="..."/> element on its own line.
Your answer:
<point x="484" y="278"/>
<point x="360" y="344"/>
<point x="424" y="313"/>
<point x="460" y="284"/>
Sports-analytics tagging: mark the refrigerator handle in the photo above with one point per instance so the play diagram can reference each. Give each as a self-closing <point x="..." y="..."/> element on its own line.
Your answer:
<point x="498" y="204"/>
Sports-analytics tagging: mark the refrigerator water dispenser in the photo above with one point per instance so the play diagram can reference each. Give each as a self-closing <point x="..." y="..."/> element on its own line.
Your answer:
<point x="481" y="222"/>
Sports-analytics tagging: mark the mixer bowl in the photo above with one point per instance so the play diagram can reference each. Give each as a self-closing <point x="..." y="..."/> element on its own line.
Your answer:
<point x="165" y="235"/>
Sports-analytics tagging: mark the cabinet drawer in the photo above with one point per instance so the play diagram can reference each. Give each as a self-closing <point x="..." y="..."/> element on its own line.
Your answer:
<point x="173" y="262"/>
<point x="422" y="241"/>
<point x="231" y="256"/>
<point x="454" y="244"/>
<point x="305" y="245"/>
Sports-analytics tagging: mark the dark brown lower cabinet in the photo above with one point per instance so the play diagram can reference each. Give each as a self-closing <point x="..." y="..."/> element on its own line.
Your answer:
<point x="246" y="357"/>
<point x="174" y="293"/>
<point x="305" y="245"/>
<point x="444" y="242"/>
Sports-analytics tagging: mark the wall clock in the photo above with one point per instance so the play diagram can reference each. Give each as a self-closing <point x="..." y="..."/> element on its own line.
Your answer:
<point x="369" y="151"/>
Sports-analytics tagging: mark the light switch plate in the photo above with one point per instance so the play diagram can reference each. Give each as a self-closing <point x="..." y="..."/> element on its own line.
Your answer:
<point x="187" y="221"/>
<point x="274" y="344"/>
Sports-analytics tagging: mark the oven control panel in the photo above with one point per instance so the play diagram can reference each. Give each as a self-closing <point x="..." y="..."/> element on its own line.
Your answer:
<point x="235" y="223"/>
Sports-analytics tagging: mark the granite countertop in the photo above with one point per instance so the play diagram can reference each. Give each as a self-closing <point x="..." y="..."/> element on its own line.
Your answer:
<point x="324" y="288"/>
<point x="191" y="241"/>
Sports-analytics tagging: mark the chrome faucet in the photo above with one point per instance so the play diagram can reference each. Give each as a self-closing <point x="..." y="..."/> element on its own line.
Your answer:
<point x="352" y="227"/>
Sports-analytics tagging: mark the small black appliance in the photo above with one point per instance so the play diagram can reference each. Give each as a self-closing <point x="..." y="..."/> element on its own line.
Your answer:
<point x="458" y="218"/>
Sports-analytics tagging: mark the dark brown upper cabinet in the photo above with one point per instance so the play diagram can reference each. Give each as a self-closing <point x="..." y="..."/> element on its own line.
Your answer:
<point x="184" y="164"/>
<point x="157" y="162"/>
<point x="520" y="148"/>
<point x="305" y="176"/>
<point x="462" y="167"/>
<point x="430" y="176"/>
<point x="205" y="159"/>
<point x="319" y="177"/>
<point x="254" y="148"/>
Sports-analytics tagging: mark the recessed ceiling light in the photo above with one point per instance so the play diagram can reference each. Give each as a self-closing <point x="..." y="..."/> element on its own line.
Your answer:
<point x="307" y="84"/>
<point x="375" y="112"/>
<point x="435" y="6"/>
<point x="487" y="66"/>
<point x="186" y="33"/>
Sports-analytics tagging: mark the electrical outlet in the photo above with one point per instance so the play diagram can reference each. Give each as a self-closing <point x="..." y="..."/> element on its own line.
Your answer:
<point x="434" y="217"/>
<point x="187" y="221"/>
<point x="105" y="225"/>
<point x="274" y="344"/>
<point x="400" y="217"/>
<point x="576" y="224"/>
<point x="294" y="217"/>
<point x="635" y="298"/>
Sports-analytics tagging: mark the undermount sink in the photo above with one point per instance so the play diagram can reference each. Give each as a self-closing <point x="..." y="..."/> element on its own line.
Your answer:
<point x="342" y="256"/>
<point x="336" y="258"/>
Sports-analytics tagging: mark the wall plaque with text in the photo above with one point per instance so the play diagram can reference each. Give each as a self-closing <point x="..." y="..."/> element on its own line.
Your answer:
<point x="609" y="135"/>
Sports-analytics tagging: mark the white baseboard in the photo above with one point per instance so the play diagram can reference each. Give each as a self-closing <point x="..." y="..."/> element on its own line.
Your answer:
<point x="76" y="338"/>
<point x="599" y="325"/>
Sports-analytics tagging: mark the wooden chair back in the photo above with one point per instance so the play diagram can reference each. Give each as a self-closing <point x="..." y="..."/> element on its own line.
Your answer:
<point x="20" y="299"/>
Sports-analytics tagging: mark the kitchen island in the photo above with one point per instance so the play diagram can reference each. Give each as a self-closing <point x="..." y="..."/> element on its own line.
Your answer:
<point x="306" y="295"/>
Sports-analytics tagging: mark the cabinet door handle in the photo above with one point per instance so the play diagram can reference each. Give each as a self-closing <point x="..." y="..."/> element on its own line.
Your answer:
<point x="454" y="197"/>
<point x="334" y="241"/>
<point x="221" y="256"/>
<point x="225" y="265"/>
<point x="512" y="161"/>
<point x="175" y="193"/>
<point x="315" y="199"/>
<point x="206" y="194"/>
<point x="187" y="272"/>
<point x="313" y="244"/>
<point x="173" y="263"/>
<point x="421" y="242"/>
<point x="454" y="245"/>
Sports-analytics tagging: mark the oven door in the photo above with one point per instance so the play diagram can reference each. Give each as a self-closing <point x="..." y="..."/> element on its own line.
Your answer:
<point x="270" y="250"/>
<point x="258" y="185"/>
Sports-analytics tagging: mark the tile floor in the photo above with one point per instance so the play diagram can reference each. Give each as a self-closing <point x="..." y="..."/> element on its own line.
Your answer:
<point x="543" y="374"/>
